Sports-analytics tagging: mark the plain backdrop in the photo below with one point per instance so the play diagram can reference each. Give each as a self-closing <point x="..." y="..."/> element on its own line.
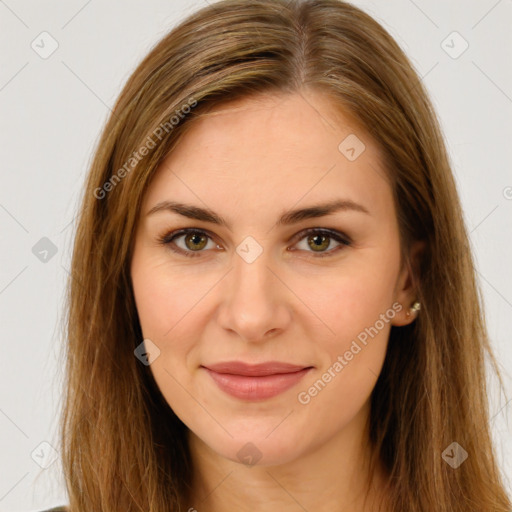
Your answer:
<point x="52" y="112"/>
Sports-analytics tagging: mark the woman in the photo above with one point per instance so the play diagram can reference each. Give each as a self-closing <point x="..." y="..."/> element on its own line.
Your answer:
<point x="273" y="304"/>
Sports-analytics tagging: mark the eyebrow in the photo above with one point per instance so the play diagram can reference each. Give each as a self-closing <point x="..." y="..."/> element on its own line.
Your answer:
<point x="287" y="218"/>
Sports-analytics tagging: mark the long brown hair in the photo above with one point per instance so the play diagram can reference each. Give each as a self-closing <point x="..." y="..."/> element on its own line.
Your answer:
<point x="123" y="447"/>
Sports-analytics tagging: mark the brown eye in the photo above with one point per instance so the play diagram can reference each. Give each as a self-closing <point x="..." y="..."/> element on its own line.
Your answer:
<point x="318" y="242"/>
<point x="187" y="242"/>
<point x="196" y="241"/>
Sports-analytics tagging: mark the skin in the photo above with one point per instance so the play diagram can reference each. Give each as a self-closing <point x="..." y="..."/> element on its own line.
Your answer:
<point x="251" y="161"/>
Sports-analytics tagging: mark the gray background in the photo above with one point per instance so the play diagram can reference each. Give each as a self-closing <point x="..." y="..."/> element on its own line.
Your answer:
<point x="52" y="111"/>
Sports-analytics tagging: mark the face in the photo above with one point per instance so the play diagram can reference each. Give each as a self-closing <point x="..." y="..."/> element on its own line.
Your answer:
<point x="233" y="276"/>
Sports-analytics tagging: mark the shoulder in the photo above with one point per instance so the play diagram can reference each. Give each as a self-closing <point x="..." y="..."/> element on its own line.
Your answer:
<point x="57" y="509"/>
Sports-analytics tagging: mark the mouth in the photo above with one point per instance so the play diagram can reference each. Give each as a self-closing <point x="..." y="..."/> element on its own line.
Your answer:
<point x="255" y="382"/>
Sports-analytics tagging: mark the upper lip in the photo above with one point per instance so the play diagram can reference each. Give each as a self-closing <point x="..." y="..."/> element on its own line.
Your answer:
<point x="261" y="369"/>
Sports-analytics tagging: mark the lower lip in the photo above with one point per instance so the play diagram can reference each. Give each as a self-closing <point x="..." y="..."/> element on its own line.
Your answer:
<point x="256" y="388"/>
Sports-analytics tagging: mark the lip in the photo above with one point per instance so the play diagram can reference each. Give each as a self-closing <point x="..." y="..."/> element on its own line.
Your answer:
<point x="256" y="381"/>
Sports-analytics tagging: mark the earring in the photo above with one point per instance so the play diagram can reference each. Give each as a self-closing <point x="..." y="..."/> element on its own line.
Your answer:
<point x="414" y="309"/>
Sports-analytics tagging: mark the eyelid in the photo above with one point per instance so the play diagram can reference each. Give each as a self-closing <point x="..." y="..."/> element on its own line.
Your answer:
<point x="340" y="237"/>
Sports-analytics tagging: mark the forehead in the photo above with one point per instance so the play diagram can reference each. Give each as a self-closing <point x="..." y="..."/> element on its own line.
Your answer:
<point x="274" y="148"/>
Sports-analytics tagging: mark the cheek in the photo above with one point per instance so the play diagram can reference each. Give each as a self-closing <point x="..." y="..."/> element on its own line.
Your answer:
<point x="356" y="310"/>
<point x="155" y="302"/>
<point x="159" y="312"/>
<point x="163" y="296"/>
<point x="168" y="309"/>
<point x="349" y="300"/>
<point x="171" y="305"/>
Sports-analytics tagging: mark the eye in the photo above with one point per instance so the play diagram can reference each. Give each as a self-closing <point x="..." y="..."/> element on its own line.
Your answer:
<point x="319" y="240"/>
<point x="191" y="242"/>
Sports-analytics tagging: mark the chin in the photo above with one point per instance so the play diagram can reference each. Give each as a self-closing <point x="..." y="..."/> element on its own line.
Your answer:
<point x="259" y="450"/>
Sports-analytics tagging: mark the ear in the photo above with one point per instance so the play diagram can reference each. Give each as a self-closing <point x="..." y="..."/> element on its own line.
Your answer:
<point x="407" y="285"/>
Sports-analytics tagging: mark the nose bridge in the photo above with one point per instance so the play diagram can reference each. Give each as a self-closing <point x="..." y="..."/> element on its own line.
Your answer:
<point x="253" y="303"/>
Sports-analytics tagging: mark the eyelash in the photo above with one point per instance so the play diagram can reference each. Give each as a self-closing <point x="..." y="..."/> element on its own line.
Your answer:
<point x="168" y="240"/>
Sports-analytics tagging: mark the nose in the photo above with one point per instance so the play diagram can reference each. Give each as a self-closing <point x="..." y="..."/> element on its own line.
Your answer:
<point x="255" y="304"/>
